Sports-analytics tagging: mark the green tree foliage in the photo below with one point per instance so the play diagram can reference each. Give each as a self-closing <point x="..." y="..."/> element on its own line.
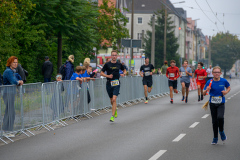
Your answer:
<point x="111" y="25"/>
<point x="172" y="45"/>
<point x="32" y="29"/>
<point x="225" y="50"/>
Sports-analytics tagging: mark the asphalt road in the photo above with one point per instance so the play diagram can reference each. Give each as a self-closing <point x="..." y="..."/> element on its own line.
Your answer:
<point x="158" y="130"/>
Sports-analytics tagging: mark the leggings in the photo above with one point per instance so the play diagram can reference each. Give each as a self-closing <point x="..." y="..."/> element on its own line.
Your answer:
<point x="217" y="112"/>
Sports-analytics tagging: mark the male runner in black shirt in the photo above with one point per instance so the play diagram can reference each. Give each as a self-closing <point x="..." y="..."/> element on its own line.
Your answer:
<point x="113" y="83"/>
<point x="146" y="71"/>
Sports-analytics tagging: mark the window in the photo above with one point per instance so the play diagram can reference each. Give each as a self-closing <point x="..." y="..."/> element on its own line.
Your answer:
<point x="127" y="19"/>
<point x="139" y="20"/>
<point x="139" y="36"/>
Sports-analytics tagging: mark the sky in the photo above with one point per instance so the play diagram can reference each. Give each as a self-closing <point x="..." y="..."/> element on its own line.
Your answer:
<point x="230" y="9"/>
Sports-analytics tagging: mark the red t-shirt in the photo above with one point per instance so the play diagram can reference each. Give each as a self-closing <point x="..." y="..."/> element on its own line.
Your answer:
<point x="172" y="72"/>
<point x="201" y="72"/>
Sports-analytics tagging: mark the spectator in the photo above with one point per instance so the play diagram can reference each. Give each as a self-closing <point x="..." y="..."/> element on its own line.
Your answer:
<point x="22" y="72"/>
<point x="159" y="71"/>
<point x="164" y="67"/>
<point x="53" y="106"/>
<point x="77" y="75"/>
<point x="125" y="67"/>
<point x="9" y="93"/>
<point x="108" y="60"/>
<point x="1" y="79"/>
<point x="69" y="70"/>
<point x="47" y="70"/>
<point x="87" y="74"/>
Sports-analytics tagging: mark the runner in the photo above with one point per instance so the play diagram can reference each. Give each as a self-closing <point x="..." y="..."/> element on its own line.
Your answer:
<point x="113" y="84"/>
<point x="172" y="74"/>
<point x="209" y="73"/>
<point x="217" y="103"/>
<point x="185" y="73"/>
<point x="146" y="71"/>
<point x="201" y="75"/>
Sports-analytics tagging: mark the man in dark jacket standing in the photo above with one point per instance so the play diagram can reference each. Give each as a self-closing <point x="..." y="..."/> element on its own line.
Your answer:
<point x="47" y="70"/>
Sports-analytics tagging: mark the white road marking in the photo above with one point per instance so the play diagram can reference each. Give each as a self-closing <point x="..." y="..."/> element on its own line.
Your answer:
<point x="194" y="125"/>
<point x="206" y="115"/>
<point x="179" y="137"/>
<point x="158" y="154"/>
<point x="229" y="98"/>
<point x="226" y="100"/>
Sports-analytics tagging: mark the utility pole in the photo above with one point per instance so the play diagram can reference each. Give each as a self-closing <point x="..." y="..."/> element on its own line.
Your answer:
<point x="132" y="28"/>
<point x="153" y="41"/>
<point x="209" y="53"/>
<point x="196" y="47"/>
<point x="165" y="33"/>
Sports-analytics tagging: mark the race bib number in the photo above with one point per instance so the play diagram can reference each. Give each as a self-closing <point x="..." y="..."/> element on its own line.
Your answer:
<point x="114" y="83"/>
<point x="184" y="74"/>
<point x="200" y="78"/>
<point x="171" y="75"/>
<point x="147" y="73"/>
<point x="216" y="100"/>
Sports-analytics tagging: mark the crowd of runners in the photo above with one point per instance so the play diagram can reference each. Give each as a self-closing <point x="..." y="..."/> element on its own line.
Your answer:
<point x="216" y="86"/>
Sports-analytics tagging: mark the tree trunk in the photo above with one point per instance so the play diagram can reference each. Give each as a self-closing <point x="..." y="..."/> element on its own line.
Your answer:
<point x="59" y="51"/>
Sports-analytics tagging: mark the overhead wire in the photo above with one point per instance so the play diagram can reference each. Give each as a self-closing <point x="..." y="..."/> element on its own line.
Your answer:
<point x="216" y="16"/>
<point x="206" y="15"/>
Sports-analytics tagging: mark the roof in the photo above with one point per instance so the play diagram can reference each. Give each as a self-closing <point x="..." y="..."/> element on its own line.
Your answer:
<point x="150" y="6"/>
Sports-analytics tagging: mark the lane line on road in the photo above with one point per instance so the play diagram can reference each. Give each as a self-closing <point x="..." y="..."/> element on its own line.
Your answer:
<point x="194" y="125"/>
<point x="229" y="98"/>
<point x="179" y="137"/>
<point x="206" y="115"/>
<point x="158" y="154"/>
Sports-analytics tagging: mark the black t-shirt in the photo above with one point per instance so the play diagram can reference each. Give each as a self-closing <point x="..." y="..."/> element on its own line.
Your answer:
<point x="146" y="69"/>
<point x="113" y="68"/>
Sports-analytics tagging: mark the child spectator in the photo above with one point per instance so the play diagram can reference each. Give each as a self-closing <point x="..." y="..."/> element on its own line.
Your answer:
<point x="77" y="74"/>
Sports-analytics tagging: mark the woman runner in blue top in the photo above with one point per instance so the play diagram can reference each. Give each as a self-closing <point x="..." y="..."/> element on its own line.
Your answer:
<point x="217" y="102"/>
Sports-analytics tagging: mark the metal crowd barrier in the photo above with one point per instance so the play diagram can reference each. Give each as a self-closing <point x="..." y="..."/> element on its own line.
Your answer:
<point x="41" y="105"/>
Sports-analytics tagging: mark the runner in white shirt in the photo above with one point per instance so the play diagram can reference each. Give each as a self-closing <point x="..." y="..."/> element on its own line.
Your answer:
<point x="209" y="72"/>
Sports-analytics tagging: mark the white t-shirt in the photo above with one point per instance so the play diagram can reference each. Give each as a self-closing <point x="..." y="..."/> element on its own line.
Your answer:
<point x="209" y="71"/>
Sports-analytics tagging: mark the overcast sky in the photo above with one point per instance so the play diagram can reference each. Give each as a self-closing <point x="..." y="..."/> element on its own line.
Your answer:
<point x="230" y="8"/>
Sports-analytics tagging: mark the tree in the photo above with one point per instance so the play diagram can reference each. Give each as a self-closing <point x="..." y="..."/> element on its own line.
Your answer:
<point x="69" y="20"/>
<point x="225" y="50"/>
<point x="172" y="45"/>
<point x="111" y="25"/>
<point x="12" y="16"/>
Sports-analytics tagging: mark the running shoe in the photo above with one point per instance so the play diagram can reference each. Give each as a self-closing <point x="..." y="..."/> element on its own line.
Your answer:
<point x="112" y="119"/>
<point x="171" y="101"/>
<point x="116" y="114"/>
<point x="201" y="97"/>
<point x="186" y="100"/>
<point x="146" y="102"/>
<point x="214" y="142"/>
<point x="183" y="98"/>
<point x="223" y="136"/>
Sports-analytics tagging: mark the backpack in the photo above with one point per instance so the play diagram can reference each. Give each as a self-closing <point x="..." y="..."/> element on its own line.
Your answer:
<point x="62" y="70"/>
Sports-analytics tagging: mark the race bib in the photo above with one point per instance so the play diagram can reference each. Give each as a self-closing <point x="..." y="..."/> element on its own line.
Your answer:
<point x="216" y="100"/>
<point x="147" y="73"/>
<point x="114" y="82"/>
<point x="171" y="75"/>
<point x="184" y="74"/>
<point x="200" y="78"/>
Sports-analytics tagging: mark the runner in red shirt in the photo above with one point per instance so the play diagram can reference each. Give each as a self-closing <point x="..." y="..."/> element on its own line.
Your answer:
<point x="201" y="75"/>
<point x="172" y="74"/>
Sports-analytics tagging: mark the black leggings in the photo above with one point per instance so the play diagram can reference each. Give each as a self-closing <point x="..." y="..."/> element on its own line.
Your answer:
<point x="217" y="112"/>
